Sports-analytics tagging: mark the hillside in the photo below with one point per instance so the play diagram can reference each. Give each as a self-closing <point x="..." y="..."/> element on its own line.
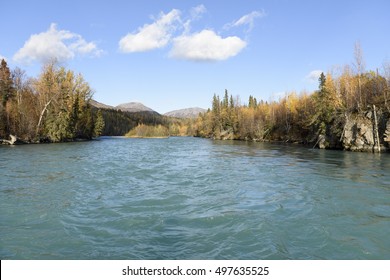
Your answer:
<point x="99" y="105"/>
<point x="188" y="113"/>
<point x="121" y="119"/>
<point x="134" y="107"/>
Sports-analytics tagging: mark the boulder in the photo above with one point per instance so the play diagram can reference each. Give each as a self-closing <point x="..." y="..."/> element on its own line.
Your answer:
<point x="387" y="132"/>
<point x="322" y="142"/>
<point x="358" y="134"/>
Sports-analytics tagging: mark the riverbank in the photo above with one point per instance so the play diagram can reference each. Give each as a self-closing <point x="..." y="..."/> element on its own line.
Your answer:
<point x="14" y="140"/>
<point x="366" y="131"/>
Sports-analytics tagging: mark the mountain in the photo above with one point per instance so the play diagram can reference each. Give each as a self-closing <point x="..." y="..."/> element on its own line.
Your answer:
<point x="121" y="119"/>
<point x="188" y="113"/>
<point x="134" y="107"/>
<point x="99" y="105"/>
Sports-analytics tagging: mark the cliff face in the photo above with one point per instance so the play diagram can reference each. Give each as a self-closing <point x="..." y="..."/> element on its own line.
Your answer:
<point x="359" y="133"/>
<point x="387" y="133"/>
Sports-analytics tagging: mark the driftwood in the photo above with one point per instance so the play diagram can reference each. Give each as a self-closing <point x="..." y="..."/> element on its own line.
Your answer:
<point x="321" y="139"/>
<point x="376" y="135"/>
<point x="12" y="141"/>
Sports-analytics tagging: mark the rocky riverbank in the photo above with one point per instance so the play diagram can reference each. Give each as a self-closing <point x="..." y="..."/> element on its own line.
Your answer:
<point x="358" y="132"/>
<point x="362" y="133"/>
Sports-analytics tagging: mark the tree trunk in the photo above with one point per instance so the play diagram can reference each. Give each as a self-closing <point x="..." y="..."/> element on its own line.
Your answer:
<point x="12" y="141"/>
<point x="41" y="116"/>
<point x="376" y="135"/>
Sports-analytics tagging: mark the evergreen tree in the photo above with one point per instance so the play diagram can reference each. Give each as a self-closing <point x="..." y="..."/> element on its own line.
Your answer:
<point x="322" y="81"/>
<point x="6" y="92"/>
<point x="252" y="103"/>
<point x="73" y="118"/>
<point x="225" y="102"/>
<point x="99" y="124"/>
<point x="325" y="104"/>
<point x="216" y="117"/>
<point x="85" y="126"/>
<point x="231" y="102"/>
<point x="6" y="83"/>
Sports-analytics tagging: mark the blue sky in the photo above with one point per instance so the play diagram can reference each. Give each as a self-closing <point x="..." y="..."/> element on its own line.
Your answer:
<point x="176" y="54"/>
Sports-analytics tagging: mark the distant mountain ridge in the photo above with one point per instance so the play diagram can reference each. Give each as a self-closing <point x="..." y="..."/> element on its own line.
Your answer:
<point x="137" y="107"/>
<point x="134" y="107"/>
<point x="188" y="113"/>
<point x="121" y="119"/>
<point x="99" y="105"/>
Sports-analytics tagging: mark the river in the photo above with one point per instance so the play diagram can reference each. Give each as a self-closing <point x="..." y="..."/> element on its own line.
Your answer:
<point x="192" y="198"/>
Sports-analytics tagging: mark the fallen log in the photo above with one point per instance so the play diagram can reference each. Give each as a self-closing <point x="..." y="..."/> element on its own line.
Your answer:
<point x="10" y="142"/>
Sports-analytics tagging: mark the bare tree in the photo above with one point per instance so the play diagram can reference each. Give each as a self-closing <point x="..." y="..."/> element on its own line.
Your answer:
<point x="359" y="64"/>
<point x="386" y="72"/>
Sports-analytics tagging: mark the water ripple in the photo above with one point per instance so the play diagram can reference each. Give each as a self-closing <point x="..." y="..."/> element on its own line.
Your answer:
<point x="187" y="198"/>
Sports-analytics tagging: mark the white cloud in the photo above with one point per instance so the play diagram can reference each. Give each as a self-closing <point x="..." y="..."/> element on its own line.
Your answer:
<point x="248" y="19"/>
<point x="196" y="12"/>
<point x="174" y="30"/>
<point x="313" y="76"/>
<point x="2" y="57"/>
<point x="55" y="44"/>
<point x="83" y="47"/>
<point x="151" y="36"/>
<point x="206" y="46"/>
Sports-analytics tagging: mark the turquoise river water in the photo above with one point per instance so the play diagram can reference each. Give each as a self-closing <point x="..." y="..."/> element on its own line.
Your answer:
<point x="191" y="198"/>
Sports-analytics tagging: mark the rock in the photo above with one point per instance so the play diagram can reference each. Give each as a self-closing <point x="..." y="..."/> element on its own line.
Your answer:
<point x="358" y="134"/>
<point x="227" y="135"/>
<point x="321" y="141"/>
<point x="358" y="145"/>
<point x="387" y="132"/>
<point x="366" y="132"/>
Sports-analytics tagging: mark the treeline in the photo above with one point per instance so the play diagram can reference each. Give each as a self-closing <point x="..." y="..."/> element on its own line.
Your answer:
<point x="53" y="107"/>
<point x="56" y="107"/>
<point x="118" y="123"/>
<point x="149" y="131"/>
<point x="301" y="117"/>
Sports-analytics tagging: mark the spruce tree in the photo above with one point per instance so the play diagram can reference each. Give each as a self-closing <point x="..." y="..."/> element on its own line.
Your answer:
<point x="99" y="124"/>
<point x="6" y="92"/>
<point x="6" y="83"/>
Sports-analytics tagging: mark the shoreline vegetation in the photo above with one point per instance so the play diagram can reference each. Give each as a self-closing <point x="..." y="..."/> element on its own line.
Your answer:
<point x="148" y="131"/>
<point x="54" y="107"/>
<point x="349" y="111"/>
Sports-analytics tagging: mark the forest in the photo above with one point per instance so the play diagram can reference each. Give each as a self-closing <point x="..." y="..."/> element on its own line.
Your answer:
<point x="54" y="107"/>
<point x="351" y="93"/>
